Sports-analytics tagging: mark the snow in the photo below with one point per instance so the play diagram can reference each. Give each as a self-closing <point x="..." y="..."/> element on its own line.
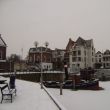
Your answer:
<point x="84" y="99"/>
<point x="29" y="97"/>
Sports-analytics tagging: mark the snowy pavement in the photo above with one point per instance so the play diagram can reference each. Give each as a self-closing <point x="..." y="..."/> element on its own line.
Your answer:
<point x="84" y="99"/>
<point x="29" y="97"/>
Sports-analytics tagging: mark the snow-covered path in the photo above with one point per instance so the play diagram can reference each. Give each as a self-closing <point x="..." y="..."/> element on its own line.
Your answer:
<point x="29" y="97"/>
<point x="84" y="99"/>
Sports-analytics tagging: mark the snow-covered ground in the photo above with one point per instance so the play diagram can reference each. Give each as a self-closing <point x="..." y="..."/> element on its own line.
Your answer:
<point x="84" y="99"/>
<point x="29" y="97"/>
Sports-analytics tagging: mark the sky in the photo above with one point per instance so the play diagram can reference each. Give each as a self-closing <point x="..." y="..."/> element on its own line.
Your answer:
<point x="22" y="22"/>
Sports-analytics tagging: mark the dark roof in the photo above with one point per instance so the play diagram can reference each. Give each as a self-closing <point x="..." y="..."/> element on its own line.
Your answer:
<point x="80" y="41"/>
<point x="56" y="49"/>
<point x="107" y="52"/>
<point x="98" y="52"/>
<point x="38" y="49"/>
<point x="2" y="42"/>
<point x="70" y="44"/>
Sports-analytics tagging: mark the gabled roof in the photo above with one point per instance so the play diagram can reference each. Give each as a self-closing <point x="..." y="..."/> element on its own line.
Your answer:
<point x="98" y="52"/>
<point x="81" y="42"/>
<point x="70" y="44"/>
<point x="2" y="42"/>
<point x="107" y="52"/>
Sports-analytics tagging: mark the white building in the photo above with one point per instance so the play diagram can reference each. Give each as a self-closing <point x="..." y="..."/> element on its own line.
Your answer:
<point x="102" y="60"/>
<point x="99" y="60"/>
<point x="106" y="59"/>
<point x="82" y="54"/>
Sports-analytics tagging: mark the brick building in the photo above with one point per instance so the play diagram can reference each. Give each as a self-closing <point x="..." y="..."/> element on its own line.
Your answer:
<point x="58" y="59"/>
<point x="67" y="52"/>
<point x="4" y="65"/>
<point x="34" y="58"/>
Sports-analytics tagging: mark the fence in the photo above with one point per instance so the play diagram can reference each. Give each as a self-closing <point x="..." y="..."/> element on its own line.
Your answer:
<point x="35" y="76"/>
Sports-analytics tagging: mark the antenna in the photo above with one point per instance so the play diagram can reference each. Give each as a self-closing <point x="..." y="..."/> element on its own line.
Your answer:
<point x="21" y="53"/>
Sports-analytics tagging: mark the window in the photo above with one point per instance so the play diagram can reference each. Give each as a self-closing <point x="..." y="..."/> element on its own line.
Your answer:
<point x="0" y="55"/>
<point x="30" y="58"/>
<point x="85" y="53"/>
<point x="78" y="65"/>
<point x="99" y="55"/>
<point x="79" y="52"/>
<point x="79" y="58"/>
<point x="74" y="59"/>
<point x="74" y="53"/>
<point x="99" y="59"/>
<point x="104" y="59"/>
<point x="92" y="59"/>
<point x="107" y="64"/>
<point x="85" y="59"/>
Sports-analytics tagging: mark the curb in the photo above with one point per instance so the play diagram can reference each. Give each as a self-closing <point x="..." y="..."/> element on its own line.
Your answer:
<point x="57" y="103"/>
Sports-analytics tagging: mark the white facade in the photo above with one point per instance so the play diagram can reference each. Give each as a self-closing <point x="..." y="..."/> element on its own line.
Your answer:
<point x="82" y="55"/>
<point x="106" y="59"/>
<point x="99" y="57"/>
<point x="102" y="59"/>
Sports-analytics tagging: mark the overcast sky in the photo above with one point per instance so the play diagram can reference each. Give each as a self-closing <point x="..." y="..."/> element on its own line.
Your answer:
<point x="24" y="21"/>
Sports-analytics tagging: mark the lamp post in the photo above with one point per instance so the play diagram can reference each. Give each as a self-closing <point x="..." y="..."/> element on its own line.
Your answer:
<point x="10" y="66"/>
<point x="36" y="44"/>
<point x="12" y="63"/>
<point x="41" y="78"/>
<point x="46" y="44"/>
<point x="41" y="53"/>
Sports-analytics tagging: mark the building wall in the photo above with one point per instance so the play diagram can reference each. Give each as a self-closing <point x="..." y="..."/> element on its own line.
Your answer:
<point x="2" y="53"/>
<point x="3" y="64"/>
<point x="58" y="59"/>
<point x="35" y="58"/>
<point x="106" y="61"/>
<point x="103" y="59"/>
<point x="84" y="58"/>
<point x="47" y="66"/>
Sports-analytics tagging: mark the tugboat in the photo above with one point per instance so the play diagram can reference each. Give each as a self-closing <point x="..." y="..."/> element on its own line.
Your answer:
<point x="83" y="79"/>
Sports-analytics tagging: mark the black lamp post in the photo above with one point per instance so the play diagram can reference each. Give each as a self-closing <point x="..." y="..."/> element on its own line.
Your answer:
<point x="41" y="53"/>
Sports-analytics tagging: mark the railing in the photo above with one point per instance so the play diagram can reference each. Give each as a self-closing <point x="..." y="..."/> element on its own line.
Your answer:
<point x="35" y="76"/>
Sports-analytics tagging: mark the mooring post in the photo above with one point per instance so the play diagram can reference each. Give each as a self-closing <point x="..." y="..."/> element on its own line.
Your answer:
<point x="61" y="84"/>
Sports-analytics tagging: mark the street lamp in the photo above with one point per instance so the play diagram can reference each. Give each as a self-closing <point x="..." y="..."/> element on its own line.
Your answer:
<point x="10" y="66"/>
<point x="36" y="44"/>
<point x="12" y="63"/>
<point x="46" y="45"/>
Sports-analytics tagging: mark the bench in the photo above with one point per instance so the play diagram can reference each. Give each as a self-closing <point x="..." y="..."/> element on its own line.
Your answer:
<point x="7" y="93"/>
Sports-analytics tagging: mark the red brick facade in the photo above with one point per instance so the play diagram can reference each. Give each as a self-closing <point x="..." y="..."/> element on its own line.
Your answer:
<point x="2" y="53"/>
<point x="35" y="55"/>
<point x="4" y="65"/>
<point x="68" y="47"/>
